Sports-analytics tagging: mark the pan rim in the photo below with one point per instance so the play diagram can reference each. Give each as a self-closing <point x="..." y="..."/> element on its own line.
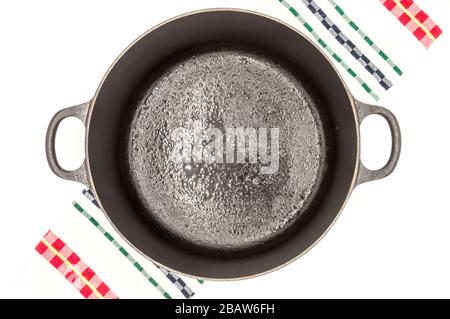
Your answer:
<point x="202" y="11"/>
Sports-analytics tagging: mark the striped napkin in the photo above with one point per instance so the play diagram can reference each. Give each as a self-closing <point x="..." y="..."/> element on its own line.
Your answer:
<point x="372" y="60"/>
<point x="90" y="255"/>
<point x="81" y="256"/>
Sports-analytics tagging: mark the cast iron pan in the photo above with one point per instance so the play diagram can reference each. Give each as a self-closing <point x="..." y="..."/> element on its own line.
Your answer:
<point x="205" y="78"/>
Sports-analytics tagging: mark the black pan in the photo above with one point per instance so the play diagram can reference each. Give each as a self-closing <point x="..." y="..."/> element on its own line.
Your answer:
<point x="224" y="78"/>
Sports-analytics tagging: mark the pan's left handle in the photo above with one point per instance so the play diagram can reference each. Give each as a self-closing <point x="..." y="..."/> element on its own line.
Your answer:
<point x="79" y="175"/>
<point x="368" y="175"/>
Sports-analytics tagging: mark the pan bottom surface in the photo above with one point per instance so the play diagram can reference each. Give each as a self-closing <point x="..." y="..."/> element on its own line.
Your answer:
<point x="225" y="150"/>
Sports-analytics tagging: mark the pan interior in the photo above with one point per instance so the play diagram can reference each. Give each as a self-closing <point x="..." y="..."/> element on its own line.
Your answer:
<point x="221" y="203"/>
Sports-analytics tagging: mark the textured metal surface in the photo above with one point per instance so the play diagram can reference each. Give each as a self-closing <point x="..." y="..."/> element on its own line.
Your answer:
<point x="225" y="206"/>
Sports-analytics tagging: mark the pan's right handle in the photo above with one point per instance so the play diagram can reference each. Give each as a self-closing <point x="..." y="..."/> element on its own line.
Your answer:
<point x="368" y="175"/>
<point x="79" y="175"/>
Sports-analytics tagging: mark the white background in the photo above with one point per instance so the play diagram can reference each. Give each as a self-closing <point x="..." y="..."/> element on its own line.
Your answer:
<point x="392" y="240"/>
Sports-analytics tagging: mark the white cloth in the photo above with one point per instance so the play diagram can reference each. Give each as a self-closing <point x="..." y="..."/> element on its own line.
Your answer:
<point x="99" y="254"/>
